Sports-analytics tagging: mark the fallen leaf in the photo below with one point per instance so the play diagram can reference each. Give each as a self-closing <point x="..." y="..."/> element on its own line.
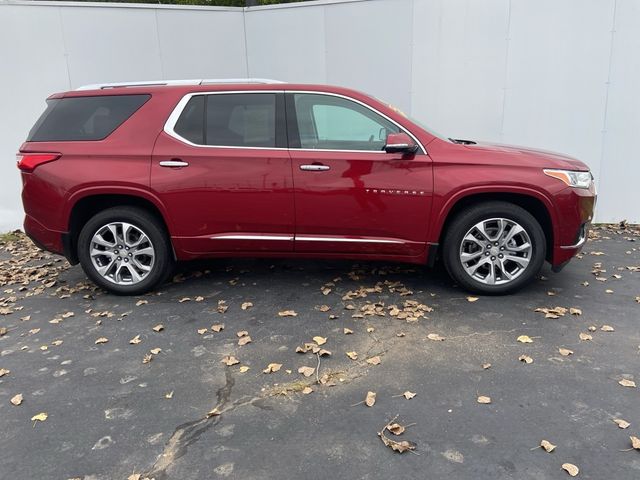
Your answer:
<point x="217" y="328"/>
<point x="565" y="352"/>
<point x="185" y="299"/>
<point x="4" y="371"/>
<point x="525" y="359"/>
<point x="635" y="442"/>
<point x="202" y="331"/>
<point x="408" y="395"/>
<point x="592" y="328"/>
<point x="242" y="333"/>
<point x="373" y="360"/>
<point x="585" y="336"/>
<point x="575" y="311"/>
<point x="147" y="358"/>
<point x="608" y="290"/>
<point x="396" y="428"/>
<point x="486" y="366"/>
<point x="158" y="328"/>
<point x="213" y="413"/>
<point x="370" y="399"/>
<point x="40" y="417"/>
<point x="571" y="469"/>
<point x="244" y="369"/>
<point x="57" y="343"/>
<point x="607" y="328"/>
<point x="352" y="355"/>
<point x="370" y="329"/>
<point x="307" y="371"/>
<point x="244" y="340"/>
<point x="399" y="447"/>
<point x="16" y="399"/>
<point x="548" y="446"/>
<point x="524" y="339"/>
<point x="627" y="383"/>
<point x="348" y="331"/>
<point x="272" y="367"/>
<point x="307" y="390"/>
<point x="169" y="395"/>
<point x="246" y="305"/>
<point x="472" y="299"/>
<point x="435" y="337"/>
<point x="230" y="360"/>
<point x="101" y="340"/>
<point x="323" y="308"/>
<point x="621" y="423"/>
<point x="483" y="399"/>
<point x="287" y="313"/>
<point x="141" y="302"/>
<point x="199" y="298"/>
<point x="320" y="340"/>
<point x="135" y="340"/>
<point x="155" y="351"/>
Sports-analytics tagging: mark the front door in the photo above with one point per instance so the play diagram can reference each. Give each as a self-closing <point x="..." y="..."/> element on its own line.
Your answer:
<point x="350" y="195"/>
<point x="223" y="172"/>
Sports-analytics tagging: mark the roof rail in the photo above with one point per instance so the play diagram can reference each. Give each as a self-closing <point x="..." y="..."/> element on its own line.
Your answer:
<point x="209" y="81"/>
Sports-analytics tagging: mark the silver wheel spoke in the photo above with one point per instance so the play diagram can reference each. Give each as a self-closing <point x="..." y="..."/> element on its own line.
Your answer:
<point x="523" y="262"/>
<point x="468" y="257"/>
<point x="481" y="228"/>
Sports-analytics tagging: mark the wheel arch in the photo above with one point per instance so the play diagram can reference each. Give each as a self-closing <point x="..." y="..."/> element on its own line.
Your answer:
<point x="535" y="203"/>
<point x="83" y="207"/>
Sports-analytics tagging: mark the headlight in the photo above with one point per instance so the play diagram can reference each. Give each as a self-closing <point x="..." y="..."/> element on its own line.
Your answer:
<point x="571" y="178"/>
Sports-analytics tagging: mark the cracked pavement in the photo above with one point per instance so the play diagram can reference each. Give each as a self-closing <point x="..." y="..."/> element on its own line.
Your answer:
<point x="109" y="418"/>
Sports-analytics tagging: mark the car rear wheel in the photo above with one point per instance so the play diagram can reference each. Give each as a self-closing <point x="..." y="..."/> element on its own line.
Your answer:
<point x="494" y="248"/>
<point x="125" y="250"/>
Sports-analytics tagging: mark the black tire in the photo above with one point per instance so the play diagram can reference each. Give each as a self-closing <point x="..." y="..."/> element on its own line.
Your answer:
<point x="163" y="262"/>
<point x="465" y="221"/>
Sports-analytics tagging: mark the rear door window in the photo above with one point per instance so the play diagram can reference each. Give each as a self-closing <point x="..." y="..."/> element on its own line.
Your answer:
<point x="84" y="118"/>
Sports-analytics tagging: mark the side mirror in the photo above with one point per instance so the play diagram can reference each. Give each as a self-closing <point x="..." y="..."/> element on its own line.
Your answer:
<point x="400" y="143"/>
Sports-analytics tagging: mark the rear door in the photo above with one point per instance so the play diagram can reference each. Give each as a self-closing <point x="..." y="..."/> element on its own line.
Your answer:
<point x="222" y="170"/>
<point x="350" y="195"/>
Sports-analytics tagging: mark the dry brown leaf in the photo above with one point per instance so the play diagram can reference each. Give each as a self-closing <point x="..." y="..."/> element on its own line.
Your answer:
<point x="608" y="290"/>
<point x="627" y="383"/>
<point x="199" y="298"/>
<point x="585" y="336"/>
<point x="242" y="333"/>
<point x="399" y="447"/>
<point x="202" y="331"/>
<point x="607" y="328"/>
<point x="230" y="360"/>
<point x="373" y="360"/>
<point x="435" y="337"/>
<point x="101" y="340"/>
<point x="571" y="469"/>
<point x="323" y="308"/>
<point x="307" y="390"/>
<point x="352" y="355"/>
<point x="408" y="395"/>
<point x="57" y="343"/>
<point x="155" y="351"/>
<point x="548" y="446"/>
<point x="244" y="369"/>
<point x="525" y="359"/>
<point x="4" y="371"/>
<point x="486" y="366"/>
<point x="169" y="395"/>
<point x="213" y="413"/>
<point x="307" y="371"/>
<point x="16" y="399"/>
<point x="396" y="428"/>
<point x="472" y="299"/>
<point x="147" y="358"/>
<point x="635" y="442"/>
<point x="244" y="340"/>
<point x="135" y="340"/>
<point x="40" y="417"/>
<point x="246" y="305"/>
<point x="348" y="331"/>
<point x="217" y="327"/>
<point x="184" y="299"/>
<point x="320" y="340"/>
<point x="158" y="328"/>
<point x="370" y="329"/>
<point x="483" y="399"/>
<point x="272" y="367"/>
<point x="565" y="352"/>
<point x="370" y="399"/>
<point x="575" y="311"/>
<point x="524" y="339"/>
<point x="141" y="302"/>
<point x="287" y="313"/>
<point x="621" y="423"/>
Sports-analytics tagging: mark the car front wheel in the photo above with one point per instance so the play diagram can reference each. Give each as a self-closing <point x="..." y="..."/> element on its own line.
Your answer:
<point x="125" y="250"/>
<point x="494" y="248"/>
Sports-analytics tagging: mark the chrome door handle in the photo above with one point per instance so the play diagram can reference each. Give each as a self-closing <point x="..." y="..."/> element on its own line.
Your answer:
<point x="173" y="163"/>
<point x="314" y="168"/>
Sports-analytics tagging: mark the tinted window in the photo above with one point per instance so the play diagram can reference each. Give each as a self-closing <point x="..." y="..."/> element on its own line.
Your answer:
<point x="334" y="123"/>
<point x="241" y="120"/>
<point x="84" y="118"/>
<point x="190" y="125"/>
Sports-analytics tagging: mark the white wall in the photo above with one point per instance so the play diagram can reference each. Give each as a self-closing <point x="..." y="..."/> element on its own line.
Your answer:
<point x="555" y="75"/>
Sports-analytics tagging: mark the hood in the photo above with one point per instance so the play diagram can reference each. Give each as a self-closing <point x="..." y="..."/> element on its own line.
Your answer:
<point x="531" y="156"/>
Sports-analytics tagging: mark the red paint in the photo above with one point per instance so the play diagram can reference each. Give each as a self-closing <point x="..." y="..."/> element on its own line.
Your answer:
<point x="367" y="205"/>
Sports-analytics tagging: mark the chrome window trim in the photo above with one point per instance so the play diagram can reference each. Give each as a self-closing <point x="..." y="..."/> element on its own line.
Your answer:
<point x="170" y="124"/>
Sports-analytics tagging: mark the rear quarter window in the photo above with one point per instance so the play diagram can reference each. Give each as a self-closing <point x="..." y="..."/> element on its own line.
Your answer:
<point x="84" y="118"/>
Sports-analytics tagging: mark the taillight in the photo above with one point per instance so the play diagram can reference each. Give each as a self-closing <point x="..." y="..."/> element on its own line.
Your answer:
<point x="28" y="162"/>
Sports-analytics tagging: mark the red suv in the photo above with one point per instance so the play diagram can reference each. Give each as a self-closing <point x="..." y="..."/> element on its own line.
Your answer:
<point x="129" y="178"/>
